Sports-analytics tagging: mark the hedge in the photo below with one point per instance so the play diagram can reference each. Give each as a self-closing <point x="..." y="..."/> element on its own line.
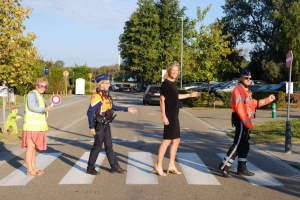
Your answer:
<point x="197" y="101"/>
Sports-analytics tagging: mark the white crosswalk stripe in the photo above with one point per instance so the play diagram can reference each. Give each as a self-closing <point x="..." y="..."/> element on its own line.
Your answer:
<point x="78" y="175"/>
<point x="19" y="177"/>
<point x="261" y="178"/>
<point x="139" y="170"/>
<point x="195" y="171"/>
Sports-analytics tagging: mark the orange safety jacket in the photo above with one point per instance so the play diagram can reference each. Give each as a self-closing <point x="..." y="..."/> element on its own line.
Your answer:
<point x="243" y="104"/>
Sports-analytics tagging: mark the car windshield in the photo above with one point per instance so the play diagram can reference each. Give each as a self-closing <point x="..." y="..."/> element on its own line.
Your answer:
<point x="259" y="82"/>
<point x="117" y="85"/>
<point x="226" y="84"/>
<point x="196" y="84"/>
<point x="276" y="87"/>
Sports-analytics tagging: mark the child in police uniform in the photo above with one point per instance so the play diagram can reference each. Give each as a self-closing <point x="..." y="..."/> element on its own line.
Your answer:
<point x="101" y="101"/>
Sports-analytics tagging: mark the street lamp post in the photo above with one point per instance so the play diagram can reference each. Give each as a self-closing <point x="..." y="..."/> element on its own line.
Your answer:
<point x="181" y="51"/>
<point x="119" y="56"/>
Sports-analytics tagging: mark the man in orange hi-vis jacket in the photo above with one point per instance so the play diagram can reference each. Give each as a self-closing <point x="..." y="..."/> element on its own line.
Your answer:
<point x="243" y="109"/>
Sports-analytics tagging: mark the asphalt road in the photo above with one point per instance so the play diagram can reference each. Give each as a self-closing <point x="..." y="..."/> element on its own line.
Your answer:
<point x="136" y="141"/>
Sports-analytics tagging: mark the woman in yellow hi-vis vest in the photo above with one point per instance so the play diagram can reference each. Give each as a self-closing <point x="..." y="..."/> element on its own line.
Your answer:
<point x="35" y="125"/>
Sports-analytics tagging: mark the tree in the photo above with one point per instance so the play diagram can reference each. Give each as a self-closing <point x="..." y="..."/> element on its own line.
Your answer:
<point x="288" y="13"/>
<point x="210" y="49"/>
<point x="139" y="43"/>
<point x="152" y="37"/>
<point x="59" y="64"/>
<point x="253" y="21"/>
<point x="17" y="53"/>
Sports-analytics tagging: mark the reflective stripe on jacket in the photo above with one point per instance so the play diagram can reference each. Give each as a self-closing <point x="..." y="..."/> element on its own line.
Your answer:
<point x="252" y="104"/>
<point x="239" y="97"/>
<point x="35" y="121"/>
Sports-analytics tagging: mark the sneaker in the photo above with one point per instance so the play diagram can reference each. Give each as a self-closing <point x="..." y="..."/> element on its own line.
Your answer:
<point x="92" y="171"/>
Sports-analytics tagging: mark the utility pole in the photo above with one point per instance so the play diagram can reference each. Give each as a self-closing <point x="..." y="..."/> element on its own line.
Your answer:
<point x="181" y="51"/>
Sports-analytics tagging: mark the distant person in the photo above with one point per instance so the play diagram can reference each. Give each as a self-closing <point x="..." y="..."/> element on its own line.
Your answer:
<point x="100" y="114"/>
<point x="35" y="125"/>
<point x="243" y="110"/>
<point x="169" y="105"/>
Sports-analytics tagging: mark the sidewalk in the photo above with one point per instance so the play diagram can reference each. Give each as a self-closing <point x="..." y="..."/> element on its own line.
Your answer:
<point x="221" y="119"/>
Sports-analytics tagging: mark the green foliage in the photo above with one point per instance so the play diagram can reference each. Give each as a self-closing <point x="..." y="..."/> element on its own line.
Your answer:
<point x="198" y="101"/>
<point x="81" y="72"/>
<point x="23" y="89"/>
<point x="225" y="98"/>
<point x="210" y="49"/>
<point x="17" y="53"/>
<point x="56" y="80"/>
<point x="152" y="39"/>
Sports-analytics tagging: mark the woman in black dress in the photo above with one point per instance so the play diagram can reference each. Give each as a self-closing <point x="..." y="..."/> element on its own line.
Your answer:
<point x="169" y="105"/>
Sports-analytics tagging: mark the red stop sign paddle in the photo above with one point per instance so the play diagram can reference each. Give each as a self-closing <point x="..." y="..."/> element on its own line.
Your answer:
<point x="289" y="59"/>
<point x="55" y="100"/>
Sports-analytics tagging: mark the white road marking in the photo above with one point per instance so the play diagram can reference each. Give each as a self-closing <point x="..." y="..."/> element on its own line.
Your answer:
<point x="160" y="127"/>
<point x="134" y="139"/>
<point x="19" y="176"/>
<point x="139" y="169"/>
<point x="78" y="175"/>
<point x="261" y="178"/>
<point x="195" y="171"/>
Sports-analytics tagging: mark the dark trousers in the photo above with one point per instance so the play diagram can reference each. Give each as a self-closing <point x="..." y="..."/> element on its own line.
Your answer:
<point x="103" y="135"/>
<point x="239" y="148"/>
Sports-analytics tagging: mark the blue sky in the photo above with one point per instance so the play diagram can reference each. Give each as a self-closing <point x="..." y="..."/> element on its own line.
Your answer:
<point x="78" y="31"/>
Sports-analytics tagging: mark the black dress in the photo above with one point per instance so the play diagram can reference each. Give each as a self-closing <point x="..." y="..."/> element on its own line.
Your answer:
<point x="170" y="92"/>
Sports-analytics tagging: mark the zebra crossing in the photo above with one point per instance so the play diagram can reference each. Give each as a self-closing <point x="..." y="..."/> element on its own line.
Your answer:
<point x="139" y="170"/>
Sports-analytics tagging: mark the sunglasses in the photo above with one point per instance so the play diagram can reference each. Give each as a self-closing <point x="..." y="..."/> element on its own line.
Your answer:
<point x="43" y="86"/>
<point x="247" y="78"/>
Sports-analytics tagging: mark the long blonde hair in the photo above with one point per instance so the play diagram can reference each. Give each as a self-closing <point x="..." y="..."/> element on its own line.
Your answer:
<point x="99" y="85"/>
<point x="172" y="64"/>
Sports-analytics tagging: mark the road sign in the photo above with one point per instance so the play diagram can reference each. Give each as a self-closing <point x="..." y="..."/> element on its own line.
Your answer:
<point x="90" y="75"/>
<point x="66" y="73"/>
<point x="46" y="71"/>
<point x="289" y="59"/>
<point x="55" y="100"/>
<point x="112" y="78"/>
<point x="130" y="79"/>
<point x="112" y="81"/>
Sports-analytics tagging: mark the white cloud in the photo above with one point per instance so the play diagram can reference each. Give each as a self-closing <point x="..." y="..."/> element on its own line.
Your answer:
<point x="110" y="14"/>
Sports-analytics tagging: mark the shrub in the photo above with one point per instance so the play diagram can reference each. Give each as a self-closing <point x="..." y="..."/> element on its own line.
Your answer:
<point x="280" y="98"/>
<point x="196" y="102"/>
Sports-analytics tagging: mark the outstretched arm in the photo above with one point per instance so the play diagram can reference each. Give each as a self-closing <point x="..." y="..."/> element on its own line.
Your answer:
<point x="184" y="96"/>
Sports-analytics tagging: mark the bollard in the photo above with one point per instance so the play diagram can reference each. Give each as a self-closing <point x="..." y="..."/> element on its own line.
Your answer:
<point x="273" y="110"/>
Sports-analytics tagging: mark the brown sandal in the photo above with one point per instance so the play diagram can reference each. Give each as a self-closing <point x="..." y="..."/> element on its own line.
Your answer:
<point x="31" y="173"/>
<point x="38" y="171"/>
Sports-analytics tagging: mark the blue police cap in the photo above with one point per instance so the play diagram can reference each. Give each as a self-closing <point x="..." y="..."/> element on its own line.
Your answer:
<point x="102" y="77"/>
<point x="246" y="72"/>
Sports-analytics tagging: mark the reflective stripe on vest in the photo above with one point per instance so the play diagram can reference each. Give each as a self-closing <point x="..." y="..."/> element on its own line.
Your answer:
<point x="35" y="121"/>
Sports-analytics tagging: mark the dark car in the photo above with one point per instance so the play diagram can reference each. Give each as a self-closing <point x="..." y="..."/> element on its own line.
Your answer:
<point x="125" y="88"/>
<point x="152" y="94"/>
<point x="203" y="85"/>
<point x="265" y="87"/>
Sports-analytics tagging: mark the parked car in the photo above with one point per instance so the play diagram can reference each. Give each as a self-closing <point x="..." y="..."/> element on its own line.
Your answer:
<point x="193" y="85"/>
<point x="125" y="87"/>
<point x="265" y="87"/>
<point x="282" y="87"/>
<point x="152" y="94"/>
<point x="135" y="87"/>
<point x="110" y="87"/>
<point x="212" y="87"/>
<point x="116" y="87"/>
<point x="199" y="87"/>
<point x="227" y="87"/>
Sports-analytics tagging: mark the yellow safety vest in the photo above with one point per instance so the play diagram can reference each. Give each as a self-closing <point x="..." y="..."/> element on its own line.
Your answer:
<point x="35" y="121"/>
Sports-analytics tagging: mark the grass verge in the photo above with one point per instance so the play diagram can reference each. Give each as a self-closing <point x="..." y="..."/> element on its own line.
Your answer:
<point x="272" y="132"/>
<point x="8" y="138"/>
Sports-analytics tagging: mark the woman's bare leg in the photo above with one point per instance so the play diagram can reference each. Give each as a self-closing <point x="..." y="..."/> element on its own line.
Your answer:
<point x="173" y="151"/>
<point x="161" y="153"/>
<point x="29" y="155"/>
